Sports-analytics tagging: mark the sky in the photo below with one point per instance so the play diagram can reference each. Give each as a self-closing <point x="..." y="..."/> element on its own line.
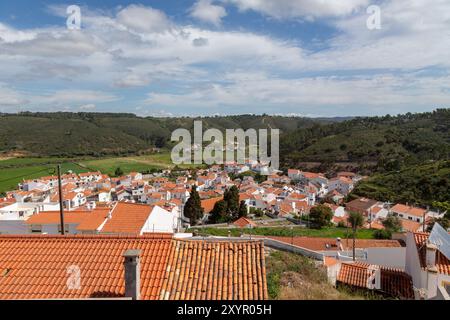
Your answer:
<point x="314" y="58"/>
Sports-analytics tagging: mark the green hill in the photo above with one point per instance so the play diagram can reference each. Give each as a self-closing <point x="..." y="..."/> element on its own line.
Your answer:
<point x="420" y="184"/>
<point x="388" y="141"/>
<point x="97" y="134"/>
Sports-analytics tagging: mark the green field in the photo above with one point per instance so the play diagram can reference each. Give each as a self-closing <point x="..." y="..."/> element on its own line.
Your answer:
<point x="12" y="171"/>
<point x="10" y="177"/>
<point x="286" y="232"/>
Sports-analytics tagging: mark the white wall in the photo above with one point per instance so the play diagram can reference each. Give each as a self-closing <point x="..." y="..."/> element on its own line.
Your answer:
<point x="389" y="257"/>
<point x="412" y="262"/>
<point x="160" y="220"/>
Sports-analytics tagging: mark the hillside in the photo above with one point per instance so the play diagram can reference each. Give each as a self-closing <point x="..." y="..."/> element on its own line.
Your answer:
<point x="385" y="143"/>
<point x="389" y="142"/>
<point x="420" y="184"/>
<point x="97" y="134"/>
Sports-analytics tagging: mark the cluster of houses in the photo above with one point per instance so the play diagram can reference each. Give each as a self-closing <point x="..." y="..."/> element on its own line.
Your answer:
<point x="283" y="196"/>
<point x="142" y="213"/>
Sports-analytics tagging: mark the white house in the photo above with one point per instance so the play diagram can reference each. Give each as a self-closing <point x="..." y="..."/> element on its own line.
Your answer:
<point x="13" y="217"/>
<point x="428" y="263"/>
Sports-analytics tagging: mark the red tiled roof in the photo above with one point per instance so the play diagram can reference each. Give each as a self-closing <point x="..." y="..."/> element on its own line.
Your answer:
<point x="70" y="217"/>
<point x="413" y="211"/>
<point x="442" y="263"/>
<point x="36" y="267"/>
<point x="219" y="270"/>
<point x="319" y="244"/>
<point x="208" y="204"/>
<point x="243" y="222"/>
<point x="127" y="218"/>
<point x="394" y="282"/>
<point x="411" y="226"/>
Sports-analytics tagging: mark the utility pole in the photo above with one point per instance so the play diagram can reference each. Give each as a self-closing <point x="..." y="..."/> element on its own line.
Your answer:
<point x="61" y="209"/>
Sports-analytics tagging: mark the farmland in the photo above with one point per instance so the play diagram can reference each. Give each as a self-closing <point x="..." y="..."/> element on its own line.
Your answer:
<point x="14" y="170"/>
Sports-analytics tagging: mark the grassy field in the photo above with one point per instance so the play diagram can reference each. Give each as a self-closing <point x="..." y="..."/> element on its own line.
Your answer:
<point x="14" y="170"/>
<point x="286" y="232"/>
<point x="10" y="177"/>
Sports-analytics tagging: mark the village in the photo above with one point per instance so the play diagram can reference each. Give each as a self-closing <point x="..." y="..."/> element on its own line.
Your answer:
<point x="399" y="263"/>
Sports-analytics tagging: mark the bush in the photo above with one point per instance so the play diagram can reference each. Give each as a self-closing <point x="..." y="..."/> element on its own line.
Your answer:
<point x="382" y="234"/>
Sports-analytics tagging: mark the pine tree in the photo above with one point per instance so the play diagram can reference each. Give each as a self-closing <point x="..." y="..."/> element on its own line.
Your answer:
<point x="242" y="209"/>
<point x="231" y="197"/>
<point x="219" y="213"/>
<point x="193" y="208"/>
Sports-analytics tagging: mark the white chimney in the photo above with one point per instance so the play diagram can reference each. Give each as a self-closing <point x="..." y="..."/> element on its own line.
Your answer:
<point x="431" y="256"/>
<point x="132" y="268"/>
<point x="339" y="244"/>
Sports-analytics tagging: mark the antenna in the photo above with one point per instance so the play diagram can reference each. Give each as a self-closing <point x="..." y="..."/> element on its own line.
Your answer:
<point x="61" y="209"/>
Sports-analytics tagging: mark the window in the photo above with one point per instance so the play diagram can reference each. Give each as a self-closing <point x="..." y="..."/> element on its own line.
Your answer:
<point x="36" y="228"/>
<point x="410" y="218"/>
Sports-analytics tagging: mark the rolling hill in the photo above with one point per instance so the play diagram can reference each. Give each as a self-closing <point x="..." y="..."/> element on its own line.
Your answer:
<point x="387" y="142"/>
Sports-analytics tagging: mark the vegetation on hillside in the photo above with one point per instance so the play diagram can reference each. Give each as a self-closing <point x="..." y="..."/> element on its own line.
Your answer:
<point x="388" y="142"/>
<point x="295" y="277"/>
<point x="329" y="232"/>
<point x="98" y="134"/>
<point x="422" y="185"/>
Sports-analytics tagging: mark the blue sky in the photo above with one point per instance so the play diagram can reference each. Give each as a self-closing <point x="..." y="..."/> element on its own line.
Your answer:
<point x="206" y="57"/>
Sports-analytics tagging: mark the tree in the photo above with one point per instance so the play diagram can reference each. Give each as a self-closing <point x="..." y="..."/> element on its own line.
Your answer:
<point x="356" y="220"/>
<point x="444" y="222"/>
<point x="193" y="208"/>
<point x="321" y="215"/>
<point x="392" y="223"/>
<point x="219" y="213"/>
<point x="383" y="234"/>
<point x="118" y="172"/>
<point x="231" y="197"/>
<point x="242" y="209"/>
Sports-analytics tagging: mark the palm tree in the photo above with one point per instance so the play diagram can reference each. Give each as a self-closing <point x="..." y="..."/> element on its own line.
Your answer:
<point x="355" y="219"/>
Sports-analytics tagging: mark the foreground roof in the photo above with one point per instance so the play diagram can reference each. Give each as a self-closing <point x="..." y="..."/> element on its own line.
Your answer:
<point x="442" y="263"/>
<point x="394" y="282"/>
<point x="37" y="266"/>
<point x="127" y="218"/>
<point x="322" y="244"/>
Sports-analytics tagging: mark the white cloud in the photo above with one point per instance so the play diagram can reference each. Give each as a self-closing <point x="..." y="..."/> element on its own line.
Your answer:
<point x="275" y="95"/>
<point x="143" y="19"/>
<point x="193" y="68"/>
<point x="205" y="11"/>
<point x="89" y="106"/>
<point x="281" y="9"/>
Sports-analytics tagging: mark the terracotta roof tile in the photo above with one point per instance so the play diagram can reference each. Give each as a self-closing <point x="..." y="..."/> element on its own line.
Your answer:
<point x="442" y="263"/>
<point x="36" y="267"/>
<point x="208" y="204"/>
<point x="244" y="222"/>
<point x="394" y="282"/>
<point x="219" y="270"/>
<point x="127" y="218"/>
<point x="319" y="244"/>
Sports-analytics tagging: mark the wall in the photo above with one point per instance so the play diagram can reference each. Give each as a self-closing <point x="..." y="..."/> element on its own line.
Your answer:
<point x="389" y="257"/>
<point x="412" y="263"/>
<point x="13" y="227"/>
<point x="160" y="220"/>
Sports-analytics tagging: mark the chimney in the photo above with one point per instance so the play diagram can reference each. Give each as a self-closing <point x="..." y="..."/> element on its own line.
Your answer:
<point x="431" y="257"/>
<point x="339" y="244"/>
<point x="132" y="268"/>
